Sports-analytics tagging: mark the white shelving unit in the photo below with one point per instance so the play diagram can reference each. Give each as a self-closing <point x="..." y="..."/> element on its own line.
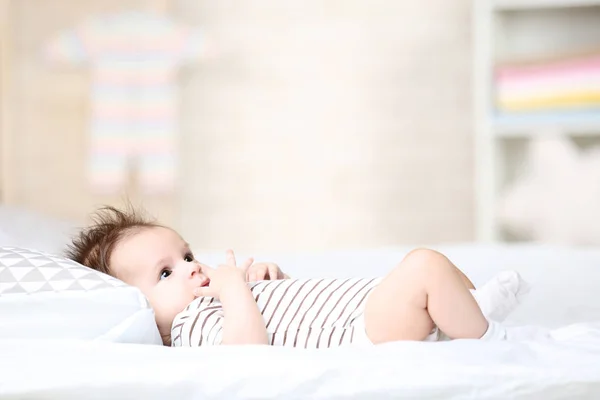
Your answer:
<point x="505" y="30"/>
<point x="512" y="5"/>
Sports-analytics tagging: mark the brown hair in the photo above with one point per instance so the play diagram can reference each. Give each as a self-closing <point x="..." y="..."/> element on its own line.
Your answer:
<point x="94" y="245"/>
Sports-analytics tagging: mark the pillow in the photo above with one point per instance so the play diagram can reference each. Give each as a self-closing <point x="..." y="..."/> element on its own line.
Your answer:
<point x="43" y="296"/>
<point x="21" y="227"/>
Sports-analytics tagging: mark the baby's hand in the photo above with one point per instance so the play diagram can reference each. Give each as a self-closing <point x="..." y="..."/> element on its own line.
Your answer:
<point x="223" y="277"/>
<point x="264" y="271"/>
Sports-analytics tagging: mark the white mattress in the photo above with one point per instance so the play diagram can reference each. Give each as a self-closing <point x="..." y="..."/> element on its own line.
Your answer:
<point x="564" y="292"/>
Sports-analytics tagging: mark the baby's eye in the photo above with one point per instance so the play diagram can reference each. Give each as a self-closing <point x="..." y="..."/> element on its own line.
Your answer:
<point x="165" y="273"/>
<point x="189" y="257"/>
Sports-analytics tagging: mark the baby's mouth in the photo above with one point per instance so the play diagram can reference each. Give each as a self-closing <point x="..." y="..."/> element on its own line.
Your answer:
<point x="205" y="283"/>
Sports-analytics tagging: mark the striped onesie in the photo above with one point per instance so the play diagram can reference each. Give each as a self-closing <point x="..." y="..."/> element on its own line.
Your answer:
<point x="305" y="313"/>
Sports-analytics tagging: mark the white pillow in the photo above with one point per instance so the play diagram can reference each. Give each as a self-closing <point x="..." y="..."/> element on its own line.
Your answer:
<point x="46" y="296"/>
<point x="20" y="227"/>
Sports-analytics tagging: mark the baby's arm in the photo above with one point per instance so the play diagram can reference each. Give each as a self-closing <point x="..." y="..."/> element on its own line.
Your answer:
<point x="242" y="322"/>
<point x="203" y="322"/>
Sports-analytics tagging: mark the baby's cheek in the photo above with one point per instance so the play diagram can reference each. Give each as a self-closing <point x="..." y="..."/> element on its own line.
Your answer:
<point x="160" y="307"/>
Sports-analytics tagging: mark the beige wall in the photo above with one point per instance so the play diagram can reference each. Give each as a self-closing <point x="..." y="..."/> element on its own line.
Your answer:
<point x="319" y="125"/>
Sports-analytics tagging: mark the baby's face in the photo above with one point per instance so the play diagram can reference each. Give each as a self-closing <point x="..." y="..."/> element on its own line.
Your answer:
<point x="159" y="262"/>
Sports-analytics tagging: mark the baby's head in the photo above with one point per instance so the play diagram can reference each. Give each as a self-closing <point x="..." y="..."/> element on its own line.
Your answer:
<point x="143" y="254"/>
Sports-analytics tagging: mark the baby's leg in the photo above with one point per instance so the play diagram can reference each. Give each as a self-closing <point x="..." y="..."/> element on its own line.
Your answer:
<point x="467" y="282"/>
<point x="423" y="291"/>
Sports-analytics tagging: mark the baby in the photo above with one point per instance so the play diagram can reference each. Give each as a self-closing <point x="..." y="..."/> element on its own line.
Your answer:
<point x="256" y="303"/>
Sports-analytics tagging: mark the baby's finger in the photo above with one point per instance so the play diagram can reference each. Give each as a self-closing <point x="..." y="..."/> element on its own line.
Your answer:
<point x="230" y="258"/>
<point x="206" y="291"/>
<point x="262" y="273"/>
<point x="206" y="270"/>
<point x="252" y="277"/>
<point x="247" y="264"/>
<point x="273" y="271"/>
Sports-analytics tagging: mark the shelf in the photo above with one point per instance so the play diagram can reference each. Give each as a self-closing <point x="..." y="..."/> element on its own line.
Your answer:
<point x="576" y="125"/>
<point x="514" y="5"/>
<point x="522" y="31"/>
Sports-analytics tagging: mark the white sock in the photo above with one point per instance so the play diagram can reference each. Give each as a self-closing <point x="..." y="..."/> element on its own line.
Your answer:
<point x="497" y="331"/>
<point x="499" y="297"/>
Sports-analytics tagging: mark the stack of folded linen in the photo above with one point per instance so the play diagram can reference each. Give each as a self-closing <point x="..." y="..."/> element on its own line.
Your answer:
<point x="566" y="87"/>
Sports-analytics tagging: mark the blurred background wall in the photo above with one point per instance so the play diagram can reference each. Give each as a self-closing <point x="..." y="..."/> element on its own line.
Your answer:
<point x="311" y="125"/>
<point x="328" y="124"/>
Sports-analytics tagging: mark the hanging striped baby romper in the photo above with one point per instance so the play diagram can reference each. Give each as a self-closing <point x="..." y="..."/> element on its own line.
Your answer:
<point x="134" y="58"/>
<point x="306" y="313"/>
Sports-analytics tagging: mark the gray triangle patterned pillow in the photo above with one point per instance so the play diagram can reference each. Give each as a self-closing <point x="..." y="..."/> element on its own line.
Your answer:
<point x="48" y="296"/>
<point x="30" y="271"/>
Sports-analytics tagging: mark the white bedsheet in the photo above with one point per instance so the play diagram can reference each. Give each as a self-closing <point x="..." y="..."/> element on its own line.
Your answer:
<point x="564" y="292"/>
<point x="569" y="369"/>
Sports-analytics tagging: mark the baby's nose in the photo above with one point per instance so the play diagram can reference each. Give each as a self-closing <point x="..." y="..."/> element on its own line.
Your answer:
<point x="194" y="269"/>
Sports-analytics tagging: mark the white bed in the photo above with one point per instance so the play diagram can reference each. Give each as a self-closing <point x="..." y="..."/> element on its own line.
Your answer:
<point x="564" y="292"/>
